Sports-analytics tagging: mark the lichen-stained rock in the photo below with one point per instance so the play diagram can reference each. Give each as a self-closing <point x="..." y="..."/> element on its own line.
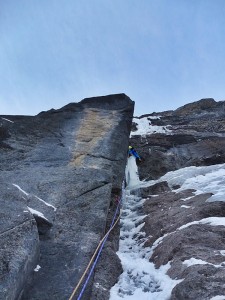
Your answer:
<point x="58" y="172"/>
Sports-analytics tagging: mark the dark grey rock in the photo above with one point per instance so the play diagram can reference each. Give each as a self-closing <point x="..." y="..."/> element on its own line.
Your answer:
<point x="59" y="170"/>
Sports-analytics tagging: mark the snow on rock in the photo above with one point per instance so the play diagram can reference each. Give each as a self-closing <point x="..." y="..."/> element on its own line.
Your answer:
<point x="36" y="197"/>
<point x="46" y="203"/>
<point x="193" y="261"/>
<point x="144" y="127"/>
<point x="207" y="179"/>
<point x="218" y="297"/>
<point x="37" y="213"/>
<point x="19" y="188"/>
<point x="7" y="120"/>
<point x="213" y="221"/>
<point x="37" y="268"/>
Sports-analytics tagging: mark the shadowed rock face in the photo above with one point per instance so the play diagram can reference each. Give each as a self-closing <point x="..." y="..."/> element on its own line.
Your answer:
<point x="196" y="138"/>
<point x="59" y="172"/>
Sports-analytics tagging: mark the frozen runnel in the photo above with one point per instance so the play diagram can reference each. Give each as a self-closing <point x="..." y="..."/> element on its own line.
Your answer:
<point x="140" y="279"/>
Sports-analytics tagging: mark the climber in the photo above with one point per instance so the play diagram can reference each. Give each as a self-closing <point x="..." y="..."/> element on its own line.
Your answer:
<point x="133" y="152"/>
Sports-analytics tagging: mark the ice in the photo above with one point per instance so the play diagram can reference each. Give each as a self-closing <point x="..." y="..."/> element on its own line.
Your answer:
<point x="132" y="178"/>
<point x="140" y="279"/>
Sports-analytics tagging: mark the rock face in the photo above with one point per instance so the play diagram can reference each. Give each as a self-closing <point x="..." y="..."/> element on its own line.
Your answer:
<point x="194" y="136"/>
<point x="60" y="173"/>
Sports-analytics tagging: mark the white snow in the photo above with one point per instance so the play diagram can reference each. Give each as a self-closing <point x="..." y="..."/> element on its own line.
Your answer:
<point x="144" y="127"/>
<point x="185" y="206"/>
<point x="194" y="261"/>
<point x="213" y="221"/>
<point x="27" y="194"/>
<point x="222" y="252"/>
<point x="7" y="120"/>
<point x="46" y="203"/>
<point x="219" y="297"/>
<point x="37" y="268"/>
<point x="36" y="213"/>
<point x="19" y="188"/>
<point x="207" y="179"/>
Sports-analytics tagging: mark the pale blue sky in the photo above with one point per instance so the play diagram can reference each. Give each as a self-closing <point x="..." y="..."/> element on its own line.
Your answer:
<point x="161" y="53"/>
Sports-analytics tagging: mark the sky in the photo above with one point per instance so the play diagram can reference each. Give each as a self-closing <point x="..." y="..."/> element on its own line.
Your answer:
<point x="161" y="53"/>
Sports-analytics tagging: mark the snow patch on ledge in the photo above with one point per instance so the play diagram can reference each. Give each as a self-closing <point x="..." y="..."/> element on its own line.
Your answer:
<point x="144" y="127"/>
<point x="37" y="213"/>
<point x="27" y="194"/>
<point x="194" y="261"/>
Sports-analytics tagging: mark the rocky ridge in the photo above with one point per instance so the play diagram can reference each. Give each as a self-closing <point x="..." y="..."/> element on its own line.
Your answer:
<point x="193" y="135"/>
<point x="60" y="173"/>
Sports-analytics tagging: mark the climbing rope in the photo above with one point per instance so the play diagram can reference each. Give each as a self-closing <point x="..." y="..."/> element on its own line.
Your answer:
<point x="98" y="250"/>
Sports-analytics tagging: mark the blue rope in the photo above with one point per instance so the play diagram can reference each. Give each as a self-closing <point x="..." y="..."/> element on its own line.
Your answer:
<point x="99" y="252"/>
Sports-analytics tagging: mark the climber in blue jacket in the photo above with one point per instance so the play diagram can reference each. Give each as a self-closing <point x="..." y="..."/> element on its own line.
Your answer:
<point x="131" y="151"/>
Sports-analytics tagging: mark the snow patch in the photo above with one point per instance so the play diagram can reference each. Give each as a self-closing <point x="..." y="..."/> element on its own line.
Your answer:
<point x="222" y="252"/>
<point x="19" y="188"/>
<point x="37" y="213"/>
<point x="185" y="206"/>
<point x="193" y="261"/>
<point x="37" y="268"/>
<point x="144" y="127"/>
<point x="7" y="120"/>
<point x="213" y="221"/>
<point x="219" y="297"/>
<point x="46" y="203"/>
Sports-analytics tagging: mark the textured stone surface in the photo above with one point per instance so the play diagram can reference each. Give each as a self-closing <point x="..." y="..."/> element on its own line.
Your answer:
<point x="64" y="164"/>
<point x="197" y="138"/>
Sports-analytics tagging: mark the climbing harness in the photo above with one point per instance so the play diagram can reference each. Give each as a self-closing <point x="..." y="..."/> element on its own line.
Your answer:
<point x="98" y="252"/>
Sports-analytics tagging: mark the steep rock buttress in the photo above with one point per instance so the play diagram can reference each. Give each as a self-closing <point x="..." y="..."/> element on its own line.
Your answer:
<point x="59" y="172"/>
